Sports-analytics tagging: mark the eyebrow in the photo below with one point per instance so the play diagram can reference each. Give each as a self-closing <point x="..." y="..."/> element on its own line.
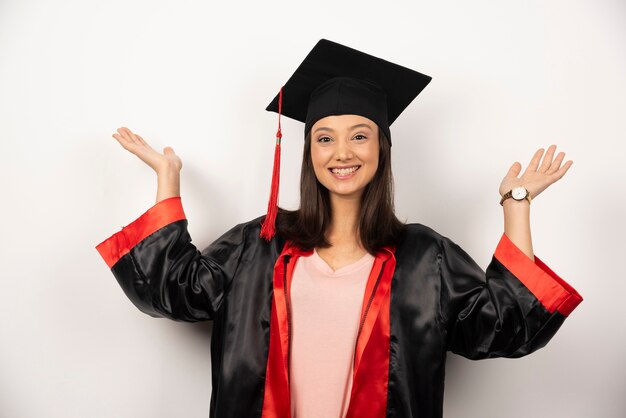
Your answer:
<point x="360" y="125"/>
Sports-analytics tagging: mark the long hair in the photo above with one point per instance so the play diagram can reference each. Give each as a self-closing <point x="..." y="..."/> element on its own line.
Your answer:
<point x="378" y="225"/>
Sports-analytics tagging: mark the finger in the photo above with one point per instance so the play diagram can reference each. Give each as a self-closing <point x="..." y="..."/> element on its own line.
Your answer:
<point x="534" y="162"/>
<point x="564" y="169"/>
<point x="514" y="170"/>
<point x="556" y="164"/>
<point x="142" y="140"/>
<point x="134" y="137"/>
<point x="124" y="132"/>
<point x="130" y="135"/>
<point x="122" y="140"/>
<point x="547" y="159"/>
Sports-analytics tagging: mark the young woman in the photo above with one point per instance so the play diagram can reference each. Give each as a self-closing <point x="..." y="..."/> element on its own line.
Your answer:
<point x="344" y="311"/>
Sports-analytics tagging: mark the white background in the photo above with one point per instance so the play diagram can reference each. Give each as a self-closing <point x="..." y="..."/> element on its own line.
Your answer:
<point x="508" y="78"/>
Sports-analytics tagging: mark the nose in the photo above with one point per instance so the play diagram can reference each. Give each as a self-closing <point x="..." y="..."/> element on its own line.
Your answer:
<point x="343" y="151"/>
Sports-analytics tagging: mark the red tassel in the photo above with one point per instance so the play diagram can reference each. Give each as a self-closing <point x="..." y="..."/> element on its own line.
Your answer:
<point x="268" y="230"/>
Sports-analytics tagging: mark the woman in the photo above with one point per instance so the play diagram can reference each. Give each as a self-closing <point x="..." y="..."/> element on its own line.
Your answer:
<point x="388" y="299"/>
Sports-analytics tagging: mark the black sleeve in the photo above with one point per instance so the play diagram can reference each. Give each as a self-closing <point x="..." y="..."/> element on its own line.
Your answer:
<point x="511" y="310"/>
<point x="163" y="273"/>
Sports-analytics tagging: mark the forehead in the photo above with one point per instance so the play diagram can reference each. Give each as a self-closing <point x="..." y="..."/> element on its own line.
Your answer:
<point x="342" y="122"/>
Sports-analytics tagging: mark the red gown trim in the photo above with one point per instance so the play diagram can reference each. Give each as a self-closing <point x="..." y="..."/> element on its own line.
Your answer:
<point x="369" y="388"/>
<point x="554" y="293"/>
<point x="160" y="214"/>
<point x="277" y="401"/>
<point x="371" y="367"/>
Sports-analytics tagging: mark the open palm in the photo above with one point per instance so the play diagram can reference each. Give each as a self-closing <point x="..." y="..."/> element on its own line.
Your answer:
<point x="138" y="146"/>
<point x="538" y="175"/>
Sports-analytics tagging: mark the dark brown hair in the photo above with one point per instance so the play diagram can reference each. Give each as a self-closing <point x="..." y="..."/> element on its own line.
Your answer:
<point x="378" y="225"/>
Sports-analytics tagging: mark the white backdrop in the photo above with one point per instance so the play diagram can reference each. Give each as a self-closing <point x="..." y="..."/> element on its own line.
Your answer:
<point x="508" y="78"/>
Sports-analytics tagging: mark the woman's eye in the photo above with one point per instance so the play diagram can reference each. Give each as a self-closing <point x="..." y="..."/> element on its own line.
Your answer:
<point x="323" y="139"/>
<point x="363" y="137"/>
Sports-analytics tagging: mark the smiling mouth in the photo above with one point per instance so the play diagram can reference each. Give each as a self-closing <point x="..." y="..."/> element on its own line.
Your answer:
<point x="344" y="171"/>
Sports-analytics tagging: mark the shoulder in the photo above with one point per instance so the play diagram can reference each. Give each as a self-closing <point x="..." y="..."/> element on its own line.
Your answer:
<point x="420" y="238"/>
<point x="420" y="232"/>
<point x="246" y="230"/>
<point x="250" y="226"/>
<point x="249" y="233"/>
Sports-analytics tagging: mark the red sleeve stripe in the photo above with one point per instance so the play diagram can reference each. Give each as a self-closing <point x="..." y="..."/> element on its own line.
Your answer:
<point x="552" y="291"/>
<point x="159" y="215"/>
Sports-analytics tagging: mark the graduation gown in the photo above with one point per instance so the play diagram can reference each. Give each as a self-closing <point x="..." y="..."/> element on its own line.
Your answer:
<point x="425" y="296"/>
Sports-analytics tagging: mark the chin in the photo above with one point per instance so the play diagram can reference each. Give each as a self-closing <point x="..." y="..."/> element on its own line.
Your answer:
<point x="345" y="193"/>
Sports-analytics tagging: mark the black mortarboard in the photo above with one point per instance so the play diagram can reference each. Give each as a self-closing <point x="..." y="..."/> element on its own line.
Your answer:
<point x="334" y="79"/>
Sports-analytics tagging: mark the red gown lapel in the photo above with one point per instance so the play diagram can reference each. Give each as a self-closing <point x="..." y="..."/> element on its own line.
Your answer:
<point x="371" y="364"/>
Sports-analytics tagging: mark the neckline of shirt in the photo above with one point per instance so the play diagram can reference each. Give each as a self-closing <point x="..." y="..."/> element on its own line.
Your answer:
<point x="323" y="266"/>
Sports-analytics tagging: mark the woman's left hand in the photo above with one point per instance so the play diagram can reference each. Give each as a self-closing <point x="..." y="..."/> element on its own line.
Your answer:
<point x="536" y="177"/>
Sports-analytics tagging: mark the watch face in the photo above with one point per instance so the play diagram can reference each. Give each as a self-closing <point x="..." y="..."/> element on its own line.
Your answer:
<point x="519" y="193"/>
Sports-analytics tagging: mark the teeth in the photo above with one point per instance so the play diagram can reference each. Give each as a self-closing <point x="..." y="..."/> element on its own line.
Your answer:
<point x="344" y="171"/>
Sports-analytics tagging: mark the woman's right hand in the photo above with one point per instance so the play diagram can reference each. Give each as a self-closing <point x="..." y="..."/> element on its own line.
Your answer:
<point x="160" y="163"/>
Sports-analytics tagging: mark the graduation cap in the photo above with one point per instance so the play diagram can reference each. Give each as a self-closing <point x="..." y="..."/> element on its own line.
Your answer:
<point x="334" y="79"/>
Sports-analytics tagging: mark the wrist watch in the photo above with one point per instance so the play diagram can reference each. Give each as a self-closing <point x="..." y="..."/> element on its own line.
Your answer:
<point x="517" y="193"/>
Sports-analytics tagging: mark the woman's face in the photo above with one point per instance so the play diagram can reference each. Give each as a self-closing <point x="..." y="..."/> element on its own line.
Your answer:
<point x="344" y="152"/>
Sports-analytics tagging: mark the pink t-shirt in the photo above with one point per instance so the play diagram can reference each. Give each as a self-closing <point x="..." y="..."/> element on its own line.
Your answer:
<point x="325" y="311"/>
